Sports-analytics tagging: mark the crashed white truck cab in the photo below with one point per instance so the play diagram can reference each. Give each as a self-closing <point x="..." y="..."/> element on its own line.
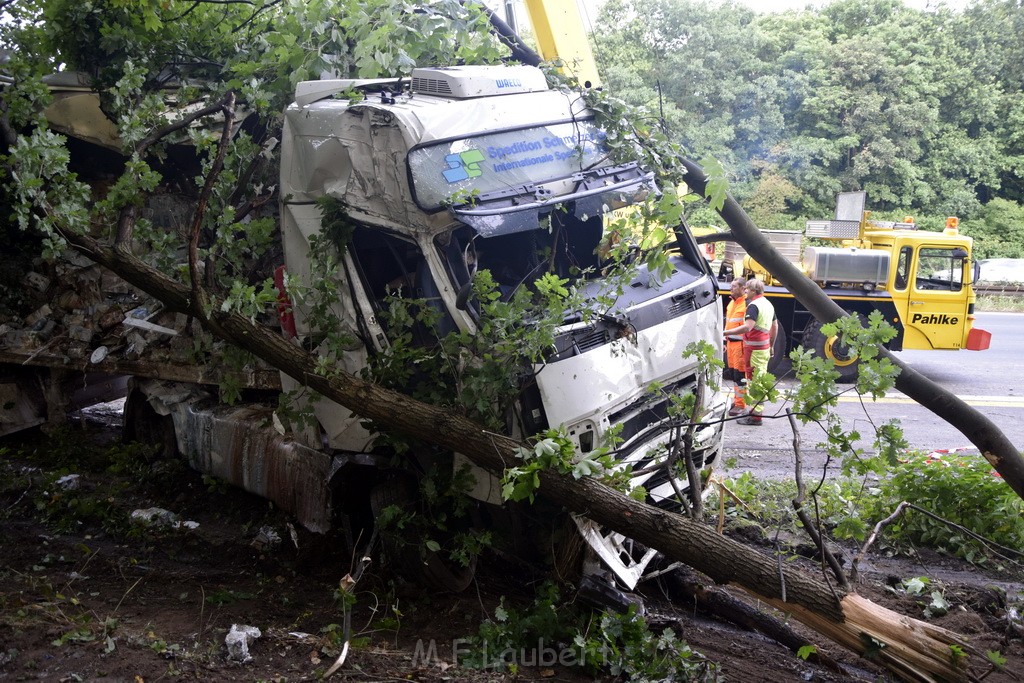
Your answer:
<point x="533" y="161"/>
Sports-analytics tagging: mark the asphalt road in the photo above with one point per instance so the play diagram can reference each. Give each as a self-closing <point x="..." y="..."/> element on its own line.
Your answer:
<point x="991" y="380"/>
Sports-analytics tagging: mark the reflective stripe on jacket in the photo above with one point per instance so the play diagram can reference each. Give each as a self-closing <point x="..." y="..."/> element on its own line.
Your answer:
<point x="734" y="314"/>
<point x="760" y="336"/>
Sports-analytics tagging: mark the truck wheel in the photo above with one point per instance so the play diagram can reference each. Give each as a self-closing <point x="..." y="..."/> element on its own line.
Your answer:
<point x="405" y="550"/>
<point x="831" y="348"/>
<point x="143" y="424"/>
<point x="778" y="352"/>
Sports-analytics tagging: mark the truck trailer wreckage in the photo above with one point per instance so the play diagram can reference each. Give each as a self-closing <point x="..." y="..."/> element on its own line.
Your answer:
<point x="452" y="171"/>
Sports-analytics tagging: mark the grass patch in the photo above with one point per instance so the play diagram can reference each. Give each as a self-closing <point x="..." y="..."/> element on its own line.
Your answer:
<point x="997" y="303"/>
<point x="75" y="485"/>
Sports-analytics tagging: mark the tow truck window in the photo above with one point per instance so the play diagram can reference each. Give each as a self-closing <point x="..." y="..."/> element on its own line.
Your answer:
<point x="482" y="164"/>
<point x="903" y="268"/>
<point x="940" y="268"/>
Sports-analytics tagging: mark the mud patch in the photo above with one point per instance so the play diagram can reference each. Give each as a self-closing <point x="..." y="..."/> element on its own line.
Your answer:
<point x="84" y="595"/>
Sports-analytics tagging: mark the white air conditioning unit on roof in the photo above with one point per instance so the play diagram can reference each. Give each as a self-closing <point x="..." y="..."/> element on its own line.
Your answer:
<point x="464" y="82"/>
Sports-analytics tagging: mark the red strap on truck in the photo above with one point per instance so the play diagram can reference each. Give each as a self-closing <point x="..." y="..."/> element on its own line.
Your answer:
<point x="284" y="305"/>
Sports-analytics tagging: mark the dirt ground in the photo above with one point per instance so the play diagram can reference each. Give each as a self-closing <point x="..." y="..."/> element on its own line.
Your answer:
<point x="85" y="595"/>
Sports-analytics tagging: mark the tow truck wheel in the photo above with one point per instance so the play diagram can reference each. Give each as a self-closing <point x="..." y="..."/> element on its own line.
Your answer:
<point x="143" y="424"/>
<point x="406" y="551"/>
<point x="778" y="352"/>
<point x="831" y="348"/>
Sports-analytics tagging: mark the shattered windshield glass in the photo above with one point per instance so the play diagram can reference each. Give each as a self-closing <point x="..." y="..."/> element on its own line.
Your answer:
<point x="457" y="170"/>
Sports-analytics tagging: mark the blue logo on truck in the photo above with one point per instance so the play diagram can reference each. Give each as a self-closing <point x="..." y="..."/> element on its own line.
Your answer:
<point x="463" y="165"/>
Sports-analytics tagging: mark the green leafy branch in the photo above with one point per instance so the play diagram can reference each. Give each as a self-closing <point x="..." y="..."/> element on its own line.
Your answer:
<point x="555" y="451"/>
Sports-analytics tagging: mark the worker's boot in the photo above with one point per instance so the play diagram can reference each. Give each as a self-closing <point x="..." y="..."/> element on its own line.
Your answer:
<point x="739" y="402"/>
<point x="750" y="421"/>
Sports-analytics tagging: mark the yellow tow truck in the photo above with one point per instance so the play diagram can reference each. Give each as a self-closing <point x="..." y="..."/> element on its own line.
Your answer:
<point x="921" y="281"/>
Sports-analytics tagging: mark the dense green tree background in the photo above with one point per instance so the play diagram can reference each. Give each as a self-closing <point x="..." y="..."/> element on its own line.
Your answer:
<point x="923" y="109"/>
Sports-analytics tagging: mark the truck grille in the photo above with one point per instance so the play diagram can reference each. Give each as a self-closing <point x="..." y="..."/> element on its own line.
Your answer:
<point x="646" y="421"/>
<point x="579" y="341"/>
<point x="682" y="303"/>
<point x="590" y="339"/>
<point x="648" y="411"/>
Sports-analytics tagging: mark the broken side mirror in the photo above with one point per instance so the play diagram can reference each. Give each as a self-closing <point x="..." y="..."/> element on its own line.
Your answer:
<point x="462" y="301"/>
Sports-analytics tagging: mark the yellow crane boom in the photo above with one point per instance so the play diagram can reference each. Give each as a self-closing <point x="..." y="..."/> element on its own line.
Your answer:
<point x="558" y="26"/>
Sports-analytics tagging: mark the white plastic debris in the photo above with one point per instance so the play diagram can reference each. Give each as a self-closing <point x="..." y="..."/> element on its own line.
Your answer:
<point x="238" y="640"/>
<point x="154" y="517"/>
<point x="158" y="517"/>
<point x="266" y="537"/>
<point x="278" y="425"/>
<point x="148" y="326"/>
<point x="69" y="482"/>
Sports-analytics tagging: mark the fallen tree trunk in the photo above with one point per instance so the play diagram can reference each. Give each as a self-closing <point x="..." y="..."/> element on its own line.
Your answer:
<point x="910" y="648"/>
<point x="685" y="583"/>
<point x="982" y="432"/>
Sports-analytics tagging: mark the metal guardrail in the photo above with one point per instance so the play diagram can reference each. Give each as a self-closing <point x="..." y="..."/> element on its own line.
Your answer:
<point x="1014" y="289"/>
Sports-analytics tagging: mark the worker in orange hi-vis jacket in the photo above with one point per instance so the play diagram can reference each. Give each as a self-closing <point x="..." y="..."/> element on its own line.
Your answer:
<point x="735" y="368"/>
<point x="760" y="329"/>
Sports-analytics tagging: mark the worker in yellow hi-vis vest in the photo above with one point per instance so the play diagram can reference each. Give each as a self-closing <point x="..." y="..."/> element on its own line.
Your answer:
<point x="759" y="330"/>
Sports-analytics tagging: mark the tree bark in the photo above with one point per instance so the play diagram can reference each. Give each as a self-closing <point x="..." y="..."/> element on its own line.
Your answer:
<point x="982" y="432"/>
<point x="915" y="650"/>
<point x="686" y="584"/>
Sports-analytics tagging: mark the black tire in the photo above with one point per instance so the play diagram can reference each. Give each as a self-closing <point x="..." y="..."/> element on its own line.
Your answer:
<point x="406" y="554"/>
<point x="144" y="425"/>
<point x="775" y="363"/>
<point x="831" y="348"/>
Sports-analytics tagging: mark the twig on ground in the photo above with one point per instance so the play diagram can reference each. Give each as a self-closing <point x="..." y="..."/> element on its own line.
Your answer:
<point x="988" y="543"/>
<point x="805" y="520"/>
<point x="347" y="583"/>
<point x="126" y="593"/>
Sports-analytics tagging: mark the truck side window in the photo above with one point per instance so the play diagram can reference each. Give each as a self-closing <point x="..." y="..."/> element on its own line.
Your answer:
<point x="940" y="268"/>
<point x="386" y="263"/>
<point x="903" y="268"/>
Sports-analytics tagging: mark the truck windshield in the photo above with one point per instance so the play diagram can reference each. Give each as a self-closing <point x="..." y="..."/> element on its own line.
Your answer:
<point x="456" y="171"/>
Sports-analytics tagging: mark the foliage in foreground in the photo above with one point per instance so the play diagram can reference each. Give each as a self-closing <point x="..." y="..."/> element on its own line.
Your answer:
<point x="963" y="489"/>
<point x="621" y="644"/>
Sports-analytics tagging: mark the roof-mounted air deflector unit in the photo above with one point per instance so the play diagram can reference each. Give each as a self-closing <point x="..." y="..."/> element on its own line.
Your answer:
<point x="846" y="224"/>
<point x="464" y="82"/>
